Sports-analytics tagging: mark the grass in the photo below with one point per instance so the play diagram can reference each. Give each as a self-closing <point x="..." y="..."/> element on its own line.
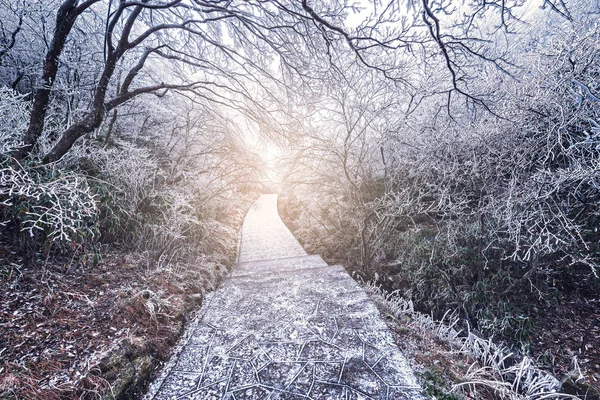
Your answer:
<point x="93" y="334"/>
<point x="453" y="365"/>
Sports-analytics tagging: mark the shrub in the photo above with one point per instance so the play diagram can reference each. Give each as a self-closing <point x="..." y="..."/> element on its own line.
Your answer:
<point x="13" y="119"/>
<point x="54" y="208"/>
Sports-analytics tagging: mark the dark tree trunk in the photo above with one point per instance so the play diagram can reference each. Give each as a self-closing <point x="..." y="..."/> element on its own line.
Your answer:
<point x="65" y="18"/>
<point x="111" y="125"/>
<point x="13" y="40"/>
<point x="92" y="120"/>
<point x="96" y="116"/>
<point x="88" y="124"/>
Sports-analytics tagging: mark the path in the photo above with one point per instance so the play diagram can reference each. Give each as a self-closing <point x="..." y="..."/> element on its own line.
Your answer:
<point x="285" y="325"/>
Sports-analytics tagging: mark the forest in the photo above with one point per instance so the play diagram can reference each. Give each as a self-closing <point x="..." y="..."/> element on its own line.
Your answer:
<point x="444" y="151"/>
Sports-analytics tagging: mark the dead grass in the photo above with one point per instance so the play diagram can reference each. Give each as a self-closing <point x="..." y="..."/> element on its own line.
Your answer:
<point x="58" y="331"/>
<point x="455" y="367"/>
<point x="438" y="366"/>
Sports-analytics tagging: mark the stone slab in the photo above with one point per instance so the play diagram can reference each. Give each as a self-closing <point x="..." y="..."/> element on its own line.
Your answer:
<point x="278" y="265"/>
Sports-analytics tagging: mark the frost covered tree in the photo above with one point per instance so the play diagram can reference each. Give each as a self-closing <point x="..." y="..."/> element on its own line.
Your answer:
<point x="475" y="188"/>
<point x="226" y="52"/>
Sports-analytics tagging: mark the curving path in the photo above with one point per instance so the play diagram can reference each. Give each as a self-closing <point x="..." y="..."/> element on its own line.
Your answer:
<point x="285" y="325"/>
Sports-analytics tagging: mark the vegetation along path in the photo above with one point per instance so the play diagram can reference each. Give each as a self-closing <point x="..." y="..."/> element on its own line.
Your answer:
<point x="285" y="325"/>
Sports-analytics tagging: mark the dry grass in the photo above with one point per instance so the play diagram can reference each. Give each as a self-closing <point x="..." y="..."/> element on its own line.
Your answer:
<point x="456" y="365"/>
<point x="70" y="335"/>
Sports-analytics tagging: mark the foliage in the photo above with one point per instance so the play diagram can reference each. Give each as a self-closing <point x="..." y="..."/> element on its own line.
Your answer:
<point x="434" y="385"/>
<point x="13" y="114"/>
<point x="497" y="369"/>
<point x="162" y="195"/>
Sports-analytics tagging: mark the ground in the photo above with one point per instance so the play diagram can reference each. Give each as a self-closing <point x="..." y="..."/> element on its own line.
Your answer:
<point x="89" y="333"/>
<point x="443" y="369"/>
<point x="567" y="332"/>
<point x="438" y="367"/>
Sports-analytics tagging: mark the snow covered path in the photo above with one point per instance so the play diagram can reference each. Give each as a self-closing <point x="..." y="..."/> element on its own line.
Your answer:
<point x="285" y="325"/>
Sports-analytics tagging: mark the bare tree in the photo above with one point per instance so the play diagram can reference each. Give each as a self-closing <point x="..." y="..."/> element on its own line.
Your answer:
<point x="234" y="46"/>
<point x="193" y="35"/>
<point x="65" y="19"/>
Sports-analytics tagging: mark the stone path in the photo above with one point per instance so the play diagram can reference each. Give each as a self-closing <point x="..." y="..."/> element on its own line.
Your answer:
<point x="285" y="325"/>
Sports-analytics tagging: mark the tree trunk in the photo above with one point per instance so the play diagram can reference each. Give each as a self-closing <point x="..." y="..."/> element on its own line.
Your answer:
<point x="91" y="122"/>
<point x="95" y="117"/>
<point x="111" y="125"/>
<point x="65" y="18"/>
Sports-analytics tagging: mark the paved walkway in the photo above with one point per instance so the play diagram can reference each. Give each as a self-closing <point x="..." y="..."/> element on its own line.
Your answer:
<point x="285" y="325"/>
<point x="265" y="236"/>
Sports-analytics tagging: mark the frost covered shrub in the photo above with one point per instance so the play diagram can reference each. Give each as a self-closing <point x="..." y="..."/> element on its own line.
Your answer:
<point x="510" y="376"/>
<point x="14" y="117"/>
<point x="500" y="215"/>
<point x="550" y="204"/>
<point x="55" y="209"/>
<point x="489" y="216"/>
<point x="123" y="179"/>
<point x="154" y="198"/>
<point x="326" y="223"/>
<point x="14" y="120"/>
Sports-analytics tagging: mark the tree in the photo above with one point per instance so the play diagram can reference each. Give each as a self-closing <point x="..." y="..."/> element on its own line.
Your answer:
<point x="233" y="46"/>
<point x="66" y="16"/>
<point x="192" y="35"/>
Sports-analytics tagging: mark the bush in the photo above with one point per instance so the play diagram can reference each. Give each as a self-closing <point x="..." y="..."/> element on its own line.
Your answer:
<point x="55" y="209"/>
<point x="13" y="119"/>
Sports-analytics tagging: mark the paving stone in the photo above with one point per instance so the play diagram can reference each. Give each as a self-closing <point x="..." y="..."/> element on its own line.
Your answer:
<point x="242" y="376"/>
<point x="318" y="350"/>
<point x="358" y="374"/>
<point x="303" y="381"/>
<point x="329" y="372"/>
<point x="179" y="384"/>
<point x="283" y="395"/>
<point x="255" y="392"/>
<point x="322" y="390"/>
<point x="280" y="374"/>
<point x="217" y="369"/>
<point x="282" y="351"/>
<point x="285" y="325"/>
<point x="278" y="265"/>
<point x="191" y="359"/>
